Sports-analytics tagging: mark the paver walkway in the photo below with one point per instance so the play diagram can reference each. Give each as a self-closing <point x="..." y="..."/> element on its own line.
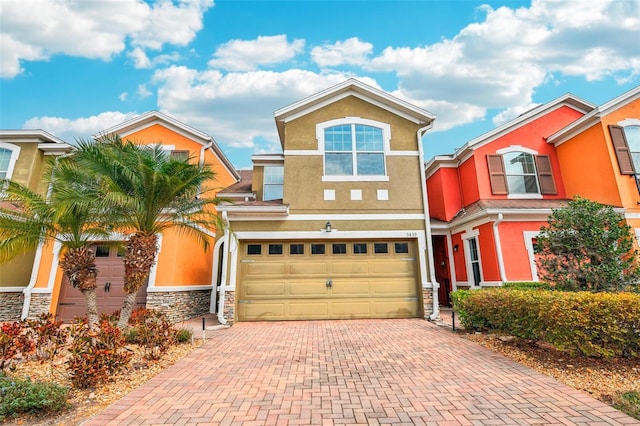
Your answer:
<point x="352" y="372"/>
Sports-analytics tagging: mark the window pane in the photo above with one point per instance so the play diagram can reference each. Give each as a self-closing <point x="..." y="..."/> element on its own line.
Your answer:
<point x="370" y="164"/>
<point x="380" y="248"/>
<point x="518" y="163"/>
<point x="368" y="138"/>
<point x="5" y="156"/>
<point x="274" y="175"/>
<point x="522" y="184"/>
<point x="338" y="138"/>
<point x="102" y="251"/>
<point x="402" y="248"/>
<point x="272" y="192"/>
<point x="180" y="155"/>
<point x="254" y="249"/>
<point x="632" y="133"/>
<point x="296" y="249"/>
<point x="317" y="248"/>
<point x="338" y="164"/>
<point x="339" y="249"/>
<point x="359" y="248"/>
<point x="275" y="248"/>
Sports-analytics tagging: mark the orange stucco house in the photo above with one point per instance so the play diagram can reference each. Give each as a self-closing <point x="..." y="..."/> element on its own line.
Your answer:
<point x="489" y="199"/>
<point x="182" y="281"/>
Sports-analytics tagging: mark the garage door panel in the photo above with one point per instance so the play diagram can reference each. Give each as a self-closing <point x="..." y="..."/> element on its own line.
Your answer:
<point x="396" y="308"/>
<point x="350" y="267"/>
<point x="264" y="288"/>
<point x="397" y="287"/>
<point x="308" y="288"/>
<point x="262" y="311"/>
<point x="264" y="269"/>
<point x="308" y="268"/>
<point x="394" y="267"/>
<point x="308" y="309"/>
<point x="344" y="287"/>
<point x="351" y="309"/>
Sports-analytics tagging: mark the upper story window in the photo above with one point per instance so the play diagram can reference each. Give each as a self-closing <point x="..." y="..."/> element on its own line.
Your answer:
<point x="273" y="183"/>
<point x="8" y="157"/>
<point x="520" y="173"/>
<point x="354" y="149"/>
<point x="626" y="142"/>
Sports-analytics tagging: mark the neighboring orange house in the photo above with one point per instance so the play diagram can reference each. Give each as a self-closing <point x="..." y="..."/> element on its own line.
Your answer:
<point x="183" y="281"/>
<point x="489" y="199"/>
<point x="599" y="155"/>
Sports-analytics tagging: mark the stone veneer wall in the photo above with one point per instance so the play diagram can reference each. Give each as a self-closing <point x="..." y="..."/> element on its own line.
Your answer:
<point x="40" y="304"/>
<point x="230" y="306"/>
<point x="180" y="305"/>
<point x="427" y="302"/>
<point x="11" y="306"/>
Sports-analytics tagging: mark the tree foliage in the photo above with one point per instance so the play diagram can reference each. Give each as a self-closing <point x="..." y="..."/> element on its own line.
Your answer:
<point x="587" y="246"/>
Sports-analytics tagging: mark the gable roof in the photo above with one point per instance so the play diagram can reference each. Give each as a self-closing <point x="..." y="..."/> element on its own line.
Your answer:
<point x="594" y="116"/>
<point x="47" y="142"/>
<point x="151" y="118"/>
<point x="351" y="87"/>
<point x="523" y="119"/>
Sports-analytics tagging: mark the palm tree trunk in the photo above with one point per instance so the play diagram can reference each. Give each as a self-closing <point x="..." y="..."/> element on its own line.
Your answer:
<point x="79" y="265"/>
<point x="92" y="306"/>
<point x="139" y="257"/>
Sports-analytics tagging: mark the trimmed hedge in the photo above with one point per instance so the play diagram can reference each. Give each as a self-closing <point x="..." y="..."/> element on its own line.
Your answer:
<point x="591" y="324"/>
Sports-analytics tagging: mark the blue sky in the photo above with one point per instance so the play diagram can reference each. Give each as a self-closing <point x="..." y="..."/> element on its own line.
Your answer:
<point x="74" y="67"/>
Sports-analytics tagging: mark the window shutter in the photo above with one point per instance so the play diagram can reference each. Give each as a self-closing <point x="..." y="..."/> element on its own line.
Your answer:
<point x="496" y="174"/>
<point x="625" y="162"/>
<point x="545" y="175"/>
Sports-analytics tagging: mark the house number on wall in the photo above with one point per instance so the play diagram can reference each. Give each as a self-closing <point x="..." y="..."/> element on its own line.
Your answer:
<point x="412" y="234"/>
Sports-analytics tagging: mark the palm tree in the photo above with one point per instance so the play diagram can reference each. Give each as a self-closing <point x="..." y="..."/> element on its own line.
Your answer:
<point x="154" y="192"/>
<point x="69" y="214"/>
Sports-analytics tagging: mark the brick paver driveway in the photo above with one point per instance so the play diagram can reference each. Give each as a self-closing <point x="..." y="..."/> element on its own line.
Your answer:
<point x="352" y="372"/>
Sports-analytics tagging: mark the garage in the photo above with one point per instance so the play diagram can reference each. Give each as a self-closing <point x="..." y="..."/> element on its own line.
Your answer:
<point x="297" y="280"/>
<point x="109" y="290"/>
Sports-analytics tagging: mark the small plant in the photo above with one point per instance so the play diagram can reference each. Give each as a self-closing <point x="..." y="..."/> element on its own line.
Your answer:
<point x="153" y="332"/>
<point x="628" y="402"/>
<point x="183" y="335"/>
<point x="14" y="341"/>
<point x="48" y="334"/>
<point x="96" y="354"/>
<point x="24" y="396"/>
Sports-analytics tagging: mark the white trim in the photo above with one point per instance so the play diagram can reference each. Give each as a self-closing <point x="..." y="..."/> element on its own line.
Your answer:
<point x="305" y="152"/>
<point x="12" y="289"/>
<point x="466" y="238"/>
<point x="516" y="148"/>
<point x="215" y="260"/>
<point x="324" y="235"/>
<point x="57" y="247"/>
<point x="13" y="157"/>
<point x="490" y="284"/>
<point x="42" y="290"/>
<point x="164" y="289"/>
<point x="370" y="178"/>
<point x="470" y="234"/>
<point x="356" y="195"/>
<point x="529" y="236"/>
<point x="329" y="195"/>
<point x="325" y="217"/>
<point x="382" y="194"/>
<point x="530" y="196"/>
<point x="403" y="153"/>
<point x="629" y="122"/>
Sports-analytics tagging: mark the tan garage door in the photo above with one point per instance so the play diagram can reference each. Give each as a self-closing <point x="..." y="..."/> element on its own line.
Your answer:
<point x="327" y="280"/>
<point x="109" y="290"/>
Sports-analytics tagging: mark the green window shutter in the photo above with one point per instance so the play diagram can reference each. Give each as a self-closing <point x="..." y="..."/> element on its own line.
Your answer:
<point x="625" y="162"/>
<point x="497" y="176"/>
<point x="545" y="175"/>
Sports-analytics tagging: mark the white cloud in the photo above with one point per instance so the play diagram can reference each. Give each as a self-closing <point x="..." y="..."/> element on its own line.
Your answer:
<point x="348" y="52"/>
<point x="123" y="96"/>
<point x="511" y="113"/>
<point x="141" y="60"/>
<point x="70" y="129"/>
<point x="91" y="29"/>
<point x="248" y="55"/>
<point x="143" y="92"/>
<point x="237" y="108"/>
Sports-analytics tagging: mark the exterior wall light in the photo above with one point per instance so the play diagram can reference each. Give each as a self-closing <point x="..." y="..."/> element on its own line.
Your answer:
<point x="455" y="248"/>
<point x="327" y="227"/>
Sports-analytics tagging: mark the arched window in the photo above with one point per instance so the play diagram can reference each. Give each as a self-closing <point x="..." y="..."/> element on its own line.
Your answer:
<point x="8" y="157"/>
<point x="520" y="173"/>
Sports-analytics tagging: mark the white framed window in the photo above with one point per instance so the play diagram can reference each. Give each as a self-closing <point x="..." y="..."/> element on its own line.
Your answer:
<point x="472" y="257"/>
<point x="354" y="149"/>
<point x="520" y="172"/>
<point x="8" y="157"/>
<point x="273" y="183"/>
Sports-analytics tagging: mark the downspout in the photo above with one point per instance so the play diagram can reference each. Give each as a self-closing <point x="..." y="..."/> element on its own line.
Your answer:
<point x="496" y="237"/>
<point x="202" y="150"/>
<point x="223" y="277"/>
<point x="427" y="224"/>
<point x="26" y="304"/>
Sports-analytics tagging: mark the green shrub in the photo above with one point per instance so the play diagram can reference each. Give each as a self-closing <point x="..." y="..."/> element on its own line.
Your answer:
<point x="183" y="335"/>
<point x="527" y="285"/>
<point x="628" y="402"/>
<point x="24" y="396"/>
<point x="96" y="354"/>
<point x="592" y="324"/>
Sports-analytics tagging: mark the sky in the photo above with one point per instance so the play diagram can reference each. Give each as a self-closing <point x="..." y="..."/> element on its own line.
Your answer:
<point x="77" y="67"/>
